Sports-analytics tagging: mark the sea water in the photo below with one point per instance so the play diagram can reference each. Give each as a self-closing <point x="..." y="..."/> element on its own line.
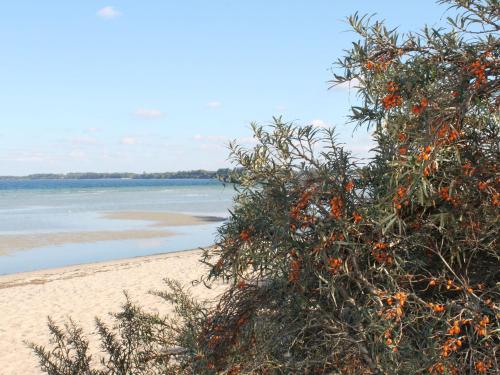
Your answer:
<point x="55" y="206"/>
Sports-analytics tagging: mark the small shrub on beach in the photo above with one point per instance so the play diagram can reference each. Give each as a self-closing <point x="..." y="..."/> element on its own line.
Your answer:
<point x="138" y="342"/>
<point x="339" y="267"/>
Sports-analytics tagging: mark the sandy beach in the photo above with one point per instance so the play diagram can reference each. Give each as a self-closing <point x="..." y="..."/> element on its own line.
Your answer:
<point x="83" y="292"/>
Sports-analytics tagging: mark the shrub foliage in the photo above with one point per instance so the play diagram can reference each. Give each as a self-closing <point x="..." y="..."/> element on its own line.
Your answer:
<point x="340" y="267"/>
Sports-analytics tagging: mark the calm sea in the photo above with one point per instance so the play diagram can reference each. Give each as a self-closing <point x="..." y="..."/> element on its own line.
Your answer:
<point x="54" y="206"/>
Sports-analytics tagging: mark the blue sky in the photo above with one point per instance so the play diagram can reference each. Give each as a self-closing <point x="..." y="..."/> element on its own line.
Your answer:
<point x="159" y="85"/>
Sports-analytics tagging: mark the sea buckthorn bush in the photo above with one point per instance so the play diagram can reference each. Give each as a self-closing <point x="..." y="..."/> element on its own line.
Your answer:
<point x="339" y="266"/>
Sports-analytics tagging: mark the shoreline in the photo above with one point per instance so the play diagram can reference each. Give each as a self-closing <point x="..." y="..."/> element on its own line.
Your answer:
<point x="84" y="292"/>
<point x="98" y="263"/>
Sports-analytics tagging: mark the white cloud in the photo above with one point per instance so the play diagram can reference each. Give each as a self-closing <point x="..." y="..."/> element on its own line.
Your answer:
<point x="78" y="155"/>
<point x="84" y="140"/>
<point x="211" y="147"/>
<point x="129" y="141"/>
<point x="91" y="130"/>
<point x="223" y="140"/>
<point x="214" y="104"/>
<point x="317" y="123"/>
<point x="247" y="140"/>
<point x="211" y="138"/>
<point x="108" y="13"/>
<point x="149" y="113"/>
<point x="361" y="148"/>
<point x="28" y="156"/>
<point x="347" y="85"/>
<point x="280" y="108"/>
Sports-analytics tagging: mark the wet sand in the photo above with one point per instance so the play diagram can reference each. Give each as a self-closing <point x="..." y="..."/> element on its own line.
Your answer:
<point x="83" y="292"/>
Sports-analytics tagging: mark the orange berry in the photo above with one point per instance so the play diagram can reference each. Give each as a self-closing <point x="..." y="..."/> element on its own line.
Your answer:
<point x="391" y="101"/>
<point x="482" y="185"/>
<point x="245" y="235"/>
<point x="437" y="308"/>
<point x="455" y="330"/>
<point x="416" y="109"/>
<point x="481" y="367"/>
<point x="241" y="284"/>
<point x="334" y="264"/>
<point x="336" y="205"/>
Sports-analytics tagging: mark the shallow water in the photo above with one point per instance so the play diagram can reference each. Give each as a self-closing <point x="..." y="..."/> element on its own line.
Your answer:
<point x="50" y="206"/>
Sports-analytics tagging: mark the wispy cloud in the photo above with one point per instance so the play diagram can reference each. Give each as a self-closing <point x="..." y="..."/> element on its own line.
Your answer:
<point x="108" y="13"/>
<point x="318" y="123"/>
<point x="347" y="85"/>
<point x="247" y="140"/>
<point x="214" y="104"/>
<point x="129" y="141"/>
<point x="211" y="138"/>
<point x="28" y="156"/>
<point x="77" y="155"/>
<point x="221" y="139"/>
<point x="211" y="147"/>
<point x="84" y="140"/>
<point x="149" y="113"/>
<point x="91" y="130"/>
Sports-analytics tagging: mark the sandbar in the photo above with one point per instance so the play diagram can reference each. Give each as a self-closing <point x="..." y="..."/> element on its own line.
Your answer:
<point x="15" y="242"/>
<point x="161" y="219"/>
<point x="23" y="241"/>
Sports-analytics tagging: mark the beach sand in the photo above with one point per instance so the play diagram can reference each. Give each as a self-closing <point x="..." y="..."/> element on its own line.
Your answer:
<point x="84" y="292"/>
<point x="14" y="242"/>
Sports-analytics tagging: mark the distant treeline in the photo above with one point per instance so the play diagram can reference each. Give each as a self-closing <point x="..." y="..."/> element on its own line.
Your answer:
<point x="223" y="174"/>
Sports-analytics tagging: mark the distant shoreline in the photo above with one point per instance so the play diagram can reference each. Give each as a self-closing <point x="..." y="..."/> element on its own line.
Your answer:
<point x="220" y="174"/>
<point x="224" y="175"/>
